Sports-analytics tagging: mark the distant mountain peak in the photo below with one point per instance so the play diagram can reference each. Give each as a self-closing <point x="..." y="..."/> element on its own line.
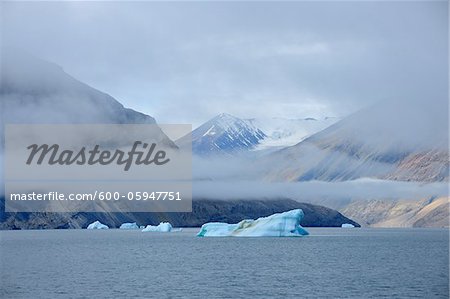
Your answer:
<point x="228" y="122"/>
<point x="226" y="116"/>
<point x="225" y="133"/>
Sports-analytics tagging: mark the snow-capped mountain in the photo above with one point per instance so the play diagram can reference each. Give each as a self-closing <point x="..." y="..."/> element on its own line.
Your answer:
<point x="225" y="134"/>
<point x="282" y="132"/>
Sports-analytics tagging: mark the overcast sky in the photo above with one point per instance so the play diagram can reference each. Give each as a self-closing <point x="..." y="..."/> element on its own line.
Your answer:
<point x="185" y="62"/>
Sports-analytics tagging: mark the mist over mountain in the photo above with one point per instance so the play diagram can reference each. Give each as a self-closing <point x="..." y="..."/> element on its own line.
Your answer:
<point x="283" y="132"/>
<point x="395" y="141"/>
<point x="402" y="140"/>
<point x="36" y="91"/>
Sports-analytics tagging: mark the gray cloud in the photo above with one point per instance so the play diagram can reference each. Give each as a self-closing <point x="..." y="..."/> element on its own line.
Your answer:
<point x="187" y="61"/>
<point x="319" y="191"/>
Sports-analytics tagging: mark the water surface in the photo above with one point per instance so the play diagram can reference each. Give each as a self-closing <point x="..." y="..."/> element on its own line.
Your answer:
<point x="330" y="263"/>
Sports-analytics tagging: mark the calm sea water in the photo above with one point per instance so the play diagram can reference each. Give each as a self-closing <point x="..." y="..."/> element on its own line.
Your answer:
<point x="331" y="263"/>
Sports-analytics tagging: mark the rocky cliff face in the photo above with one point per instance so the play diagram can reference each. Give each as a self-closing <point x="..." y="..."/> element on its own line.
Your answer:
<point x="429" y="212"/>
<point x="426" y="166"/>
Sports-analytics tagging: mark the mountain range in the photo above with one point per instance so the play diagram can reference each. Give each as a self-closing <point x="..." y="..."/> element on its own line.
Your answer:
<point x="36" y="91"/>
<point x="385" y="141"/>
<point x="405" y="140"/>
<point x="398" y="141"/>
<point x="371" y="143"/>
<point x="228" y="134"/>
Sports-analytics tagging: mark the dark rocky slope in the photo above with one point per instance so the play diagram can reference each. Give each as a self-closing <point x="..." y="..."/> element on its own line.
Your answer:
<point x="231" y="211"/>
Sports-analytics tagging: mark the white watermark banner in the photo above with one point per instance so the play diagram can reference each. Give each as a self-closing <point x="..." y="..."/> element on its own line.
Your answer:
<point x="92" y="168"/>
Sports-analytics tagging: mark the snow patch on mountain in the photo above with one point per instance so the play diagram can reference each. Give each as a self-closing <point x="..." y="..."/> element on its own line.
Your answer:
<point x="282" y="132"/>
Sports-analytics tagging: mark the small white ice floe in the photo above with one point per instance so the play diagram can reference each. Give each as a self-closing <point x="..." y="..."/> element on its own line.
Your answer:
<point x="97" y="225"/>
<point x="129" y="226"/>
<point x="163" y="227"/>
<point x="347" y="225"/>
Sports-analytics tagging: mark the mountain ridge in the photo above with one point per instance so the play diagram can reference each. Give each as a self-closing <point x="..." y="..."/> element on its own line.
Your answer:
<point x="36" y="91"/>
<point x="367" y="145"/>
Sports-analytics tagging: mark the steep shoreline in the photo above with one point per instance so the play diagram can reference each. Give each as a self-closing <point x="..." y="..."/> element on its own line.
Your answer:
<point x="203" y="210"/>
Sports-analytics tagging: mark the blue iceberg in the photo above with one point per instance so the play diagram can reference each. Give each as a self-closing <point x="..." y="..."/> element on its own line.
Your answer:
<point x="97" y="225"/>
<point x="129" y="226"/>
<point x="285" y="224"/>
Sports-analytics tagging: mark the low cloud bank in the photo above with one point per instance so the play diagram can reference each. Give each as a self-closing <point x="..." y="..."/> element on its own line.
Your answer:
<point x="313" y="191"/>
